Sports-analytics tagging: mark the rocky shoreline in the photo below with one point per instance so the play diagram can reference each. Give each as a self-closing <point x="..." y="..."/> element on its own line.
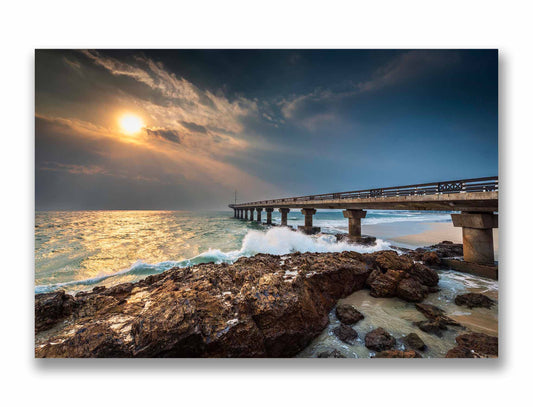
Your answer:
<point x="262" y="306"/>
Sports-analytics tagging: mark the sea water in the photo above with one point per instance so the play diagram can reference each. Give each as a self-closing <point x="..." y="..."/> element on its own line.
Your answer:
<point x="81" y="249"/>
<point x="77" y="251"/>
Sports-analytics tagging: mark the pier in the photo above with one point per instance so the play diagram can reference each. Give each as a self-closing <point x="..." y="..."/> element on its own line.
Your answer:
<point x="475" y="199"/>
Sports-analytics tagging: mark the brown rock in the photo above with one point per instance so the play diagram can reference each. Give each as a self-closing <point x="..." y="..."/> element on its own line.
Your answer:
<point x="398" y="354"/>
<point x="425" y="275"/>
<point x="379" y="340"/>
<point x="252" y="308"/>
<point x="345" y="333"/>
<point x="474" y="345"/>
<point x="432" y="327"/>
<point x="410" y="289"/>
<point x="347" y="314"/>
<point x="50" y="308"/>
<point x="474" y="300"/>
<point x="431" y="258"/>
<point x="413" y="341"/>
<point x="385" y="284"/>
<point x="390" y="260"/>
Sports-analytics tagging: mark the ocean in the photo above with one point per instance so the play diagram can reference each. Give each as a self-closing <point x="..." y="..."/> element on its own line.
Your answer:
<point x="78" y="250"/>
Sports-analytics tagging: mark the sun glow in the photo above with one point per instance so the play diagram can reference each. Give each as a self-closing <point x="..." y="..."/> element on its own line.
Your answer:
<point x="131" y="124"/>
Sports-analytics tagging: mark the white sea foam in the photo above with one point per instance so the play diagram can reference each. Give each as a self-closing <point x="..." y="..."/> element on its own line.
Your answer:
<point x="277" y="241"/>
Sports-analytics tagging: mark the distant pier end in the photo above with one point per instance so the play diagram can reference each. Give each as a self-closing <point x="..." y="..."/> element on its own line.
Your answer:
<point x="476" y="199"/>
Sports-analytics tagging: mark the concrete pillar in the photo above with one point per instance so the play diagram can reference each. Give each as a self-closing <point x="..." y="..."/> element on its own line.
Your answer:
<point x="258" y="214"/>
<point x="245" y="213"/>
<point x="284" y="212"/>
<point x="239" y="213"/>
<point x="354" y="221"/>
<point x="478" y="245"/>
<point x="269" y="215"/>
<point x="234" y="213"/>
<point x="308" y="228"/>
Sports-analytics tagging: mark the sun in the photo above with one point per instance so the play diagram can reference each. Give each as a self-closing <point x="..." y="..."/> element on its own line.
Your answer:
<point x="131" y="124"/>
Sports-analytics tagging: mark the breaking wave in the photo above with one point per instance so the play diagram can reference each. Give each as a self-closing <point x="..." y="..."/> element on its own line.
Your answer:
<point x="278" y="241"/>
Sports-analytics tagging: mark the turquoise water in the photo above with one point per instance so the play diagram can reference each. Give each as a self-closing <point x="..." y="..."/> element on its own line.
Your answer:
<point x="79" y="250"/>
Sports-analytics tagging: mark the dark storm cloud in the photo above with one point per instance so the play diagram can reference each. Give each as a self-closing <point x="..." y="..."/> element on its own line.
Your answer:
<point x="264" y="122"/>
<point x="170" y="135"/>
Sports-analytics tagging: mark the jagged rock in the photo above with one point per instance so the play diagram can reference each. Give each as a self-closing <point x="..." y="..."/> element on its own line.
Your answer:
<point x="390" y="260"/>
<point x="379" y="340"/>
<point x="398" y="354"/>
<point x="474" y="300"/>
<point x="413" y="341"/>
<point x="331" y="354"/>
<point x="431" y="258"/>
<point x="260" y="306"/>
<point x="430" y="311"/>
<point x="432" y="327"/>
<point x="474" y="345"/>
<point x="347" y="314"/>
<point x="50" y="308"/>
<point x="448" y="249"/>
<point x="345" y="333"/>
<point x="410" y="289"/>
<point x="425" y="275"/>
<point x="384" y="284"/>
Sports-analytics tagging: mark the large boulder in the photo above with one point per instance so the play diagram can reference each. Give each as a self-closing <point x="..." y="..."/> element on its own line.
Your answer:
<point x="390" y="260"/>
<point x="347" y="314"/>
<point x="379" y="340"/>
<point x="431" y="259"/>
<point x="262" y="306"/>
<point x="474" y="300"/>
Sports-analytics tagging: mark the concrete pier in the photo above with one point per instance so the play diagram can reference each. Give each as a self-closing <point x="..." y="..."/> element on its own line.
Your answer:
<point x="354" y="221"/>
<point x="284" y="212"/>
<point x="269" y="215"/>
<point x="478" y="244"/>
<point x="245" y="213"/>
<point x="308" y="227"/>
<point x="259" y="210"/>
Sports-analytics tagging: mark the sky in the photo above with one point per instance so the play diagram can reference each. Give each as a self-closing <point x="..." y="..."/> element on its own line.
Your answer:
<point x="185" y="129"/>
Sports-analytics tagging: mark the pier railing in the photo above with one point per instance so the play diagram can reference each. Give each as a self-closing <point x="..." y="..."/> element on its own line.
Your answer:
<point x="444" y="187"/>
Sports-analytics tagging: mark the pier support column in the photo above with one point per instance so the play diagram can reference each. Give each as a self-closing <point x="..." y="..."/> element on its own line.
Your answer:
<point x="308" y="228"/>
<point x="240" y="213"/>
<point x="354" y="221"/>
<point x="258" y="214"/>
<point x="284" y="212"/>
<point x="269" y="215"/>
<point x="478" y="245"/>
<point x="246" y="214"/>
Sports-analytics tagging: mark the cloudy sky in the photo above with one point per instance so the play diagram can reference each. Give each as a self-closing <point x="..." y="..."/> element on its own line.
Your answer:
<point x="184" y="129"/>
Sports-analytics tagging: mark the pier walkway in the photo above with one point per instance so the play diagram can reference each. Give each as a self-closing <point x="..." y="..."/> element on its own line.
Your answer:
<point x="476" y="199"/>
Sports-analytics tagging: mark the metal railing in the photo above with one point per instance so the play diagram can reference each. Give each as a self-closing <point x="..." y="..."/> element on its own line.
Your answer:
<point x="444" y="187"/>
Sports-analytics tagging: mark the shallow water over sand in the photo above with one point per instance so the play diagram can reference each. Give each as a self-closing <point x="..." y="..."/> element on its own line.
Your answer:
<point x="397" y="317"/>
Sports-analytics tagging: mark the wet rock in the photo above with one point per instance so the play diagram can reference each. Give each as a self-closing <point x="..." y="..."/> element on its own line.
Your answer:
<point x="345" y="333"/>
<point x="448" y="249"/>
<point x="361" y="240"/>
<point x="410" y="289"/>
<point x="434" y="313"/>
<point x="384" y="284"/>
<point x="474" y="345"/>
<point x="474" y="300"/>
<point x="432" y="327"/>
<point x="331" y="354"/>
<point x="398" y="354"/>
<point x="263" y="306"/>
<point x="50" y="308"/>
<point x="390" y="260"/>
<point x="425" y="275"/>
<point x="431" y="258"/>
<point x="379" y="340"/>
<point x="413" y="341"/>
<point x="347" y="314"/>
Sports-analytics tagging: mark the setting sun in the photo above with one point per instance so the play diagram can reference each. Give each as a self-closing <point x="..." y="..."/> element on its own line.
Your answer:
<point x="131" y="124"/>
